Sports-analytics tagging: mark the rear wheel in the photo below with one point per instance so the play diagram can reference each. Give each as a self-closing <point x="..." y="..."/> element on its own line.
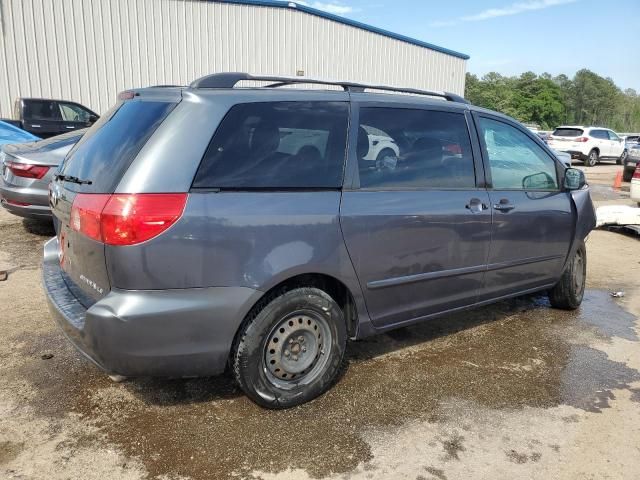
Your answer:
<point x="627" y="174"/>
<point x="567" y="294"/>
<point x="592" y="158"/>
<point x="290" y="349"/>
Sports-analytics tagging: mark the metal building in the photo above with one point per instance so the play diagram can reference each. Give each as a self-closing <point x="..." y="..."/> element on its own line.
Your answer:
<point x="89" y="50"/>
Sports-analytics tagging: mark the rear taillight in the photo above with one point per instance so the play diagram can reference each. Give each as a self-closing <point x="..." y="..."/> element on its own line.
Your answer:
<point x="581" y="139"/>
<point x="126" y="219"/>
<point x="26" y="170"/>
<point x="636" y="173"/>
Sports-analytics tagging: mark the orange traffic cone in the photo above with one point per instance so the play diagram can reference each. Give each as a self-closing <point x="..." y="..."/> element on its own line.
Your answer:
<point x="617" y="183"/>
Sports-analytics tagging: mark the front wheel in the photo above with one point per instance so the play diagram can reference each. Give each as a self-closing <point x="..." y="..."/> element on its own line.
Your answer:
<point x="592" y="158"/>
<point x="622" y="158"/>
<point x="567" y="294"/>
<point x="290" y="351"/>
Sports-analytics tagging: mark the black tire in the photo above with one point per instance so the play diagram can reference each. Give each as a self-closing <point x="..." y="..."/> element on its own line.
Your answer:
<point x="385" y="152"/>
<point x="622" y="158"/>
<point x="282" y="331"/>
<point x="567" y="294"/>
<point x="627" y="173"/>
<point x="592" y="158"/>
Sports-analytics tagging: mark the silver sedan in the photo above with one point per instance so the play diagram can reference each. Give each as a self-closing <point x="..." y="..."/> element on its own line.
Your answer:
<point x="26" y="171"/>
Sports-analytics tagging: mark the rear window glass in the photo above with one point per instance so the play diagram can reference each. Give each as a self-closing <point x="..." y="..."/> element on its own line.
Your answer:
<point x="568" y="132"/>
<point x="41" y="110"/>
<point x="110" y="145"/>
<point x="277" y="145"/>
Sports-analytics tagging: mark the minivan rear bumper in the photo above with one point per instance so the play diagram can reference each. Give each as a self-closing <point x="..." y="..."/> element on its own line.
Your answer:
<point x="176" y="333"/>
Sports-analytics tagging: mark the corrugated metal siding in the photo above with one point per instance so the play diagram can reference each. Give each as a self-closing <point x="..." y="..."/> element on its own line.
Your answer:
<point x="89" y="50"/>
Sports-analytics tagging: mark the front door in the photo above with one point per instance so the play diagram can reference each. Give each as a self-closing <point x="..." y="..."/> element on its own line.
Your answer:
<point x="617" y="145"/>
<point x="533" y="221"/>
<point x="416" y="226"/>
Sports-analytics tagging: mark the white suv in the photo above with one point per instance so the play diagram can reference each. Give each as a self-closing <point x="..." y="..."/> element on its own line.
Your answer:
<point x="590" y="144"/>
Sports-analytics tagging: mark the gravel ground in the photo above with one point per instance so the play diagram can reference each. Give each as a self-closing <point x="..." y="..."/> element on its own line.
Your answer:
<point x="513" y="390"/>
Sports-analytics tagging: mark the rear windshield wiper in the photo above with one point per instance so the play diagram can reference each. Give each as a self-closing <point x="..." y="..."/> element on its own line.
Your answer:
<point x="72" y="179"/>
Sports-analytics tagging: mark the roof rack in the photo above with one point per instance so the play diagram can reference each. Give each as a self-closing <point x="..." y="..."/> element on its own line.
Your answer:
<point x="230" y="79"/>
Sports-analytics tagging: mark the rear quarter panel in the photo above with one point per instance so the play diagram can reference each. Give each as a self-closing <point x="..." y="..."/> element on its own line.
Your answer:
<point x="241" y="239"/>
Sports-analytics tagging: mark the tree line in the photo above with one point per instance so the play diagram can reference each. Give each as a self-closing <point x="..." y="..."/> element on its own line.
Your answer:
<point x="585" y="99"/>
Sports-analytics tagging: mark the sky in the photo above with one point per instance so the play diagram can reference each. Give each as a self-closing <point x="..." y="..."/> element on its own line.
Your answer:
<point x="511" y="37"/>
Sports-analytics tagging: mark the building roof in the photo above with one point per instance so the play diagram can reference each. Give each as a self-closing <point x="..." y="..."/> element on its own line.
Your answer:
<point x="329" y="16"/>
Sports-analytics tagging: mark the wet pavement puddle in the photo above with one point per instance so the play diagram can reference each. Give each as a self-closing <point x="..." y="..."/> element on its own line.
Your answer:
<point x="514" y="354"/>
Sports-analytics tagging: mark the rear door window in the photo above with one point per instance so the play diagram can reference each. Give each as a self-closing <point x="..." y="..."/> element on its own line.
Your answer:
<point x="400" y="148"/>
<point x="42" y="110"/>
<point x="277" y="145"/>
<point x="110" y="145"/>
<point x="599" y="134"/>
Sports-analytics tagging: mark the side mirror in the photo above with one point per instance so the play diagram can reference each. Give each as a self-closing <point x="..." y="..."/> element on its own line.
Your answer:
<point x="574" y="179"/>
<point x="93" y="118"/>
<point x="539" y="181"/>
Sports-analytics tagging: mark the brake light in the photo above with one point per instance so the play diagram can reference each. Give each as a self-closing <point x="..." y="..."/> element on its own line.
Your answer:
<point x="636" y="172"/>
<point x="86" y="212"/>
<point x="581" y="139"/>
<point x="126" y="219"/>
<point x="26" y="170"/>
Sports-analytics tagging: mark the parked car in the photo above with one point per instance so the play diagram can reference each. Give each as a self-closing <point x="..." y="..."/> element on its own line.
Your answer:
<point x="564" y="157"/>
<point x="26" y="171"/>
<point x="589" y="144"/>
<point x="266" y="259"/>
<point x="631" y="140"/>
<point x="12" y="134"/>
<point x="544" y="136"/>
<point x="48" y="118"/>
<point x="635" y="185"/>
<point x="630" y="162"/>
<point x="381" y="146"/>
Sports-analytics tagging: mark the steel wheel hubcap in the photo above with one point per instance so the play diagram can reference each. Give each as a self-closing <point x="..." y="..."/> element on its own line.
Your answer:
<point x="297" y="348"/>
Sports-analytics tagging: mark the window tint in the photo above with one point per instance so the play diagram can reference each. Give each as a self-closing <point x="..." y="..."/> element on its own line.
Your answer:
<point x="405" y="148"/>
<point x="74" y="113"/>
<point x="568" y="132"/>
<point x="516" y="161"/>
<point x="600" y="134"/>
<point x="106" y="150"/>
<point x="41" y="110"/>
<point x="277" y="145"/>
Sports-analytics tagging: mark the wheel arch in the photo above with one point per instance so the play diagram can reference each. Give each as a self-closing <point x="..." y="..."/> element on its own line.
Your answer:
<point x="334" y="287"/>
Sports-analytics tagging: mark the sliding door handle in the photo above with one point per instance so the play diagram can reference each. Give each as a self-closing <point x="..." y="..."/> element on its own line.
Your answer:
<point x="504" y="205"/>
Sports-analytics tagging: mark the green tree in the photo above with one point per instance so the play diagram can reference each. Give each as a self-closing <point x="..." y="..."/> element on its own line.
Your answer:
<point x="587" y="98"/>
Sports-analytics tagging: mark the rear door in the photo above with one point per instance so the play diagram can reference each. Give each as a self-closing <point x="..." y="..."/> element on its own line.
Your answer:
<point x="416" y="224"/>
<point x="533" y="220"/>
<point x="91" y="171"/>
<point x="42" y="117"/>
